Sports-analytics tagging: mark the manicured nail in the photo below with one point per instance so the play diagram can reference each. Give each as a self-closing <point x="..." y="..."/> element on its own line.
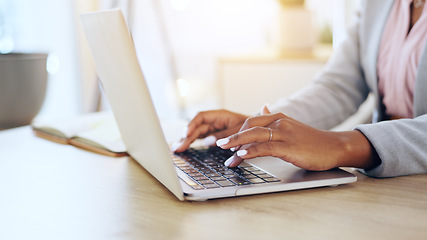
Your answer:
<point x="222" y="141"/>
<point x="175" y="146"/>
<point x="184" y="133"/>
<point x="209" y="141"/>
<point x="233" y="149"/>
<point x="228" y="162"/>
<point x="242" y="153"/>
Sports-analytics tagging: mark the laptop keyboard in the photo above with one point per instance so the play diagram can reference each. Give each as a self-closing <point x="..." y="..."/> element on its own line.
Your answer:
<point x="206" y="168"/>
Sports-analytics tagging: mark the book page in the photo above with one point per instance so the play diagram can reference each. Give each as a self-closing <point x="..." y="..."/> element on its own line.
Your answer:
<point x="67" y="128"/>
<point x="103" y="134"/>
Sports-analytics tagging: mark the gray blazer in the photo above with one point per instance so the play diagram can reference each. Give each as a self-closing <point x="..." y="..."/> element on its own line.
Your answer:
<point x="349" y="76"/>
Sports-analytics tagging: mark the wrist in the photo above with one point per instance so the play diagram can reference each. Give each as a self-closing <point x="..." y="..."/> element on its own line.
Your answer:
<point x="356" y="151"/>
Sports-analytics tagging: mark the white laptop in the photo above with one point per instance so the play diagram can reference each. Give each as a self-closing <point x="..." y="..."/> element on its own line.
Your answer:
<point x="191" y="175"/>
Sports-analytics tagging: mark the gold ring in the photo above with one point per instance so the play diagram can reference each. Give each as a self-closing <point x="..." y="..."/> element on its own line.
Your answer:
<point x="271" y="134"/>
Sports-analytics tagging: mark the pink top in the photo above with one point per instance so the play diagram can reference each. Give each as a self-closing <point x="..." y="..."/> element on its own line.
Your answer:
<point x="398" y="58"/>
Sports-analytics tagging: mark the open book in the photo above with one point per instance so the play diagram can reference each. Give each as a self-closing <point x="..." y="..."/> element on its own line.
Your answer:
<point x="96" y="132"/>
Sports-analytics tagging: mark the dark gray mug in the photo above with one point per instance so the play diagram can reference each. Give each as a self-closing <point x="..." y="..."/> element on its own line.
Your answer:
<point x="23" y="81"/>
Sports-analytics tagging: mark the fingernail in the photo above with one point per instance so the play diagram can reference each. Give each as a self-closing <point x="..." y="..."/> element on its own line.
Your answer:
<point x="175" y="146"/>
<point x="184" y="133"/>
<point x="233" y="149"/>
<point x="222" y="141"/>
<point x="228" y="162"/>
<point x="209" y="141"/>
<point x="242" y="153"/>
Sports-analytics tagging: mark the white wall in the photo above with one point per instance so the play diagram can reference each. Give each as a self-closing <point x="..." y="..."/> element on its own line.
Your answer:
<point x="199" y="32"/>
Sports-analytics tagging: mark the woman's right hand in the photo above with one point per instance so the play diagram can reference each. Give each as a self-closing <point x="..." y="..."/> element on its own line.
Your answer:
<point x="212" y="125"/>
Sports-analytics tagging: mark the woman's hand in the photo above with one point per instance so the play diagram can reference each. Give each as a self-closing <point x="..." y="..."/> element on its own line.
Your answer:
<point x="211" y="125"/>
<point x="294" y="142"/>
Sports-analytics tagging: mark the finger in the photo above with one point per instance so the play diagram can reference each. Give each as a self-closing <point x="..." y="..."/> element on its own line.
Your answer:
<point x="252" y="135"/>
<point x="211" y="140"/>
<point x="233" y="161"/>
<point x="274" y="149"/>
<point x="217" y="119"/>
<point x="227" y="132"/>
<point x="200" y="119"/>
<point x="262" y="120"/>
<point x="185" y="142"/>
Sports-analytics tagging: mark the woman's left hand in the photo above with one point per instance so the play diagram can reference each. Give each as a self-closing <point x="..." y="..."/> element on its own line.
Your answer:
<point x="280" y="136"/>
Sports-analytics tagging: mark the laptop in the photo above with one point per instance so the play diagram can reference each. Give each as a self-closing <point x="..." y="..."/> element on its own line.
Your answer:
<point x="197" y="174"/>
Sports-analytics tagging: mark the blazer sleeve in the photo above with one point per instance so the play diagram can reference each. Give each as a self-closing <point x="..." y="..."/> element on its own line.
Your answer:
<point x="335" y="93"/>
<point x="400" y="144"/>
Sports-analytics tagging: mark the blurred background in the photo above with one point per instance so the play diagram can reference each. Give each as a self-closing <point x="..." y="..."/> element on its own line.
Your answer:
<point x="195" y="54"/>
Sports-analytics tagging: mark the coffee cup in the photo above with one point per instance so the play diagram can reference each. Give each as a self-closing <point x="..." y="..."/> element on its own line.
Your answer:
<point x="23" y="81"/>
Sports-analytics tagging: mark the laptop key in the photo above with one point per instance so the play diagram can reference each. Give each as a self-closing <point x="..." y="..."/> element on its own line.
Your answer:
<point x="186" y="168"/>
<point x="250" y="169"/>
<point x="213" y="185"/>
<point x="211" y="175"/>
<point x="249" y="176"/>
<point x="265" y="175"/>
<point x="195" y="174"/>
<point x="205" y="181"/>
<point x="272" y="179"/>
<point x="256" y="180"/>
<point x="216" y="179"/>
<point x="200" y="178"/>
<point x="197" y="187"/>
<point x="192" y="183"/>
<point x="225" y="183"/>
<point x="240" y="181"/>
<point x="258" y="172"/>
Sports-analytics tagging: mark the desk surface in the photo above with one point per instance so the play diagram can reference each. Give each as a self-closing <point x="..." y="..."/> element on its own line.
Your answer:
<point x="53" y="191"/>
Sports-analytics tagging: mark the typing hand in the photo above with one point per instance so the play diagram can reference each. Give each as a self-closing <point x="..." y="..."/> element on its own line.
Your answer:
<point x="235" y="160"/>
<point x="211" y="125"/>
<point x="281" y="136"/>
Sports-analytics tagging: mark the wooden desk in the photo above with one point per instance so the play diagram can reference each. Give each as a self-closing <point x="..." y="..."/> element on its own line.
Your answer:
<point x="53" y="191"/>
